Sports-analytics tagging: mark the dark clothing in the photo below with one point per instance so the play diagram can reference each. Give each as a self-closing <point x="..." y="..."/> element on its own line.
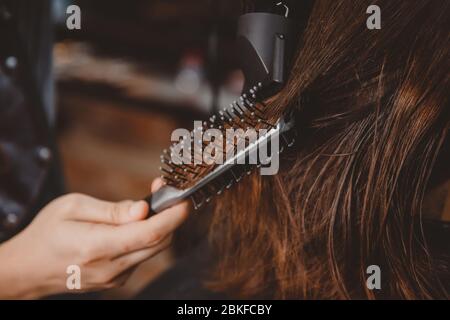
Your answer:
<point x="28" y="163"/>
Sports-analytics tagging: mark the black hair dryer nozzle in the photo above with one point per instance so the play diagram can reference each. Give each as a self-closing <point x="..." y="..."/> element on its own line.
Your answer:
<point x="265" y="47"/>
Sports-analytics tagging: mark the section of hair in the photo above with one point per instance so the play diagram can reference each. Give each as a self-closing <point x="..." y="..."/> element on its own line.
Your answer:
<point x="372" y="109"/>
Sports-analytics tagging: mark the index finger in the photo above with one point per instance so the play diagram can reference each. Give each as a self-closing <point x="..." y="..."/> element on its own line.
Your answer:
<point x="147" y="233"/>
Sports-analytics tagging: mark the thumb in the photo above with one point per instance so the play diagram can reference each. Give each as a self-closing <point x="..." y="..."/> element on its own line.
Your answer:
<point x="88" y="209"/>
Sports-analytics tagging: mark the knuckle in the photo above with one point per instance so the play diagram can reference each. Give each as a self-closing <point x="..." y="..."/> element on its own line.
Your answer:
<point x="114" y="214"/>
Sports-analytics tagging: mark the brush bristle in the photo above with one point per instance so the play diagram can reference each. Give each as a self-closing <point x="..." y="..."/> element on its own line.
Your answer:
<point x="245" y="113"/>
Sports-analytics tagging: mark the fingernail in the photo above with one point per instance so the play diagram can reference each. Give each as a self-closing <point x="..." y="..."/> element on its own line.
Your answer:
<point x="157" y="183"/>
<point x="136" y="209"/>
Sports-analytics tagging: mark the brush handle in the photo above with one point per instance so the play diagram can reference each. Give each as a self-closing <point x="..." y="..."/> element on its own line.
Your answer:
<point x="164" y="198"/>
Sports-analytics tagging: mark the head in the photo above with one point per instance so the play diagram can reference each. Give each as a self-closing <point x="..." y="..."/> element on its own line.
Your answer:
<point x="372" y="115"/>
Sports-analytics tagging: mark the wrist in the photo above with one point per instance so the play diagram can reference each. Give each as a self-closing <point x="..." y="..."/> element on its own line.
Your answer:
<point x="16" y="274"/>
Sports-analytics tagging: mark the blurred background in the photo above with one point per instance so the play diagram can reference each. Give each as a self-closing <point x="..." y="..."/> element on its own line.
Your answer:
<point x="125" y="81"/>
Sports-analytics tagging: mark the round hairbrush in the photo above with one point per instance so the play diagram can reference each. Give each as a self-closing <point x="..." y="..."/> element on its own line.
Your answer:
<point x="265" y="47"/>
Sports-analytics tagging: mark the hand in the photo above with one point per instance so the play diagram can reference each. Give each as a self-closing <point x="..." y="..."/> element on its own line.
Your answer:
<point x="106" y="240"/>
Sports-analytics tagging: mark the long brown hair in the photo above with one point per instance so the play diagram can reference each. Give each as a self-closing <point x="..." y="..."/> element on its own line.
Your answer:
<point x="372" y="110"/>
